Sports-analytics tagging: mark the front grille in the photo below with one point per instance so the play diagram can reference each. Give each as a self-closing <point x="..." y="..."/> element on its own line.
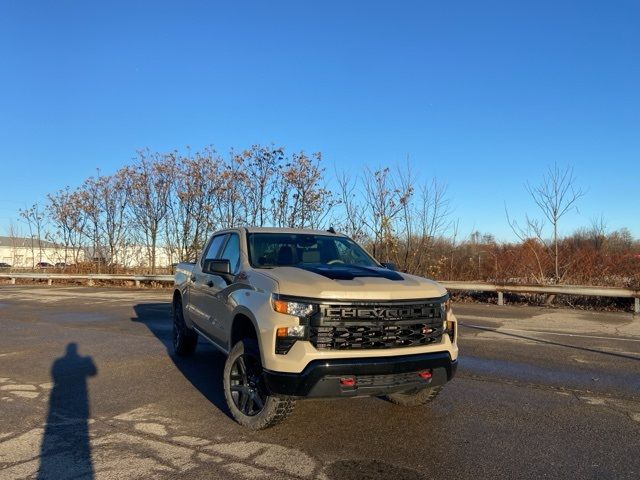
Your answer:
<point x="367" y="326"/>
<point x="375" y="336"/>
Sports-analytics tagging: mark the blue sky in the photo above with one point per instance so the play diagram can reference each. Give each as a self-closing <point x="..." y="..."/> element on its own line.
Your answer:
<point x="483" y="95"/>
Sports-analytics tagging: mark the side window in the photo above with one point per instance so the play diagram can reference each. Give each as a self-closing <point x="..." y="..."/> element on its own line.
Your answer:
<point x="214" y="247"/>
<point x="232" y="252"/>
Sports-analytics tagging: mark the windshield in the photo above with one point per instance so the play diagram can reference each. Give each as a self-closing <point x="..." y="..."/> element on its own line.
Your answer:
<point x="289" y="249"/>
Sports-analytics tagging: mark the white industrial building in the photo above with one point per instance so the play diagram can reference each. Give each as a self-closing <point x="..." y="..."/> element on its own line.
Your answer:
<point x="131" y="256"/>
<point x="22" y="252"/>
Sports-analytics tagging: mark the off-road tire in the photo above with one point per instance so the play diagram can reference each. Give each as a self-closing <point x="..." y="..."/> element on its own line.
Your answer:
<point x="184" y="339"/>
<point x="421" y="397"/>
<point x="274" y="409"/>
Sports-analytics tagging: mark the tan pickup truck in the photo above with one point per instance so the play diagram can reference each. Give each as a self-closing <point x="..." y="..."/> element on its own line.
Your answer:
<point x="310" y="314"/>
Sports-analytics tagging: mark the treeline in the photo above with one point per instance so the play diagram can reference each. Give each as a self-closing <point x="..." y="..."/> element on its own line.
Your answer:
<point x="174" y="201"/>
<point x="587" y="257"/>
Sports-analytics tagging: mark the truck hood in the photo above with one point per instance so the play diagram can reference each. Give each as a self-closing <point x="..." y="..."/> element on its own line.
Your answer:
<point x="333" y="282"/>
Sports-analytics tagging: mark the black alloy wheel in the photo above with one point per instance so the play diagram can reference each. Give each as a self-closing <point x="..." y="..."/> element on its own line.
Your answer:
<point x="246" y="384"/>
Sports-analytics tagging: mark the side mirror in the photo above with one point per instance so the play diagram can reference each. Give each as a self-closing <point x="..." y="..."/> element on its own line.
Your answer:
<point x="217" y="267"/>
<point x="389" y="266"/>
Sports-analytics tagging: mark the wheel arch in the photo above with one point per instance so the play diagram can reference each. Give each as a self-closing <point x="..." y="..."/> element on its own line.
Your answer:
<point x="177" y="297"/>
<point x="243" y="326"/>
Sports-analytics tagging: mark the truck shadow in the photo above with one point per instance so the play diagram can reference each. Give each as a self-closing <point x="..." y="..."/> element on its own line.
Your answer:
<point x="204" y="369"/>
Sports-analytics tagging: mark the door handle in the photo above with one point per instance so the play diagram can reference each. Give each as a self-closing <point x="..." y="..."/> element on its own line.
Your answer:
<point x="210" y="283"/>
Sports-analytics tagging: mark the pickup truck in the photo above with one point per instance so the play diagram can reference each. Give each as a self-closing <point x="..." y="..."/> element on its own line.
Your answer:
<point x="310" y="314"/>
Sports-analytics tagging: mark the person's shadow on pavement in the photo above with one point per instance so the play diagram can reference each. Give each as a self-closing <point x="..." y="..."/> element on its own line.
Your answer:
<point x="66" y="451"/>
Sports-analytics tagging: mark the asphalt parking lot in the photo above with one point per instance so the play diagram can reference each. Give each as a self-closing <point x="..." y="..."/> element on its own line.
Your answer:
<point x="89" y="389"/>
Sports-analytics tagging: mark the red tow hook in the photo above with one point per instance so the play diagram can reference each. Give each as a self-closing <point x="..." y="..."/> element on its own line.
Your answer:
<point x="348" y="382"/>
<point x="425" y="374"/>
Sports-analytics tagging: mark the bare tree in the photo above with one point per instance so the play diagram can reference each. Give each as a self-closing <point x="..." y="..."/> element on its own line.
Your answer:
<point x="300" y="199"/>
<point x="190" y="211"/>
<point x="89" y="204"/>
<point x="352" y="211"/>
<point x="405" y="181"/>
<point x="530" y="235"/>
<point x="36" y="219"/>
<point x="112" y="203"/>
<point x="555" y="196"/>
<point x="598" y="232"/>
<point x="434" y="219"/>
<point x="64" y="211"/>
<point x="261" y="165"/>
<point x="383" y="202"/>
<point x="231" y="191"/>
<point x="148" y="188"/>
<point x="57" y="210"/>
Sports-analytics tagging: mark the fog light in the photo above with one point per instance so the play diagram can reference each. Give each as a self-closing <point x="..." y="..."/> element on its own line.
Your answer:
<point x="297" y="331"/>
<point x="287" y="336"/>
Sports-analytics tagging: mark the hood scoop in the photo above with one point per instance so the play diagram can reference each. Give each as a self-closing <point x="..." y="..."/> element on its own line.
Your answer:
<point x="349" y="272"/>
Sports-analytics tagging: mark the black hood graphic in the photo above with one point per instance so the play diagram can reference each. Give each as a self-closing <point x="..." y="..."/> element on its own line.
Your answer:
<point x="349" y="272"/>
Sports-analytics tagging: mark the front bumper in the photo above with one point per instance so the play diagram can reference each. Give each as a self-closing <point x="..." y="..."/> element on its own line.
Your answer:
<point x="374" y="376"/>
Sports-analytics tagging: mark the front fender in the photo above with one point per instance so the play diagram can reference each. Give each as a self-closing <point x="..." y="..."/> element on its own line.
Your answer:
<point x="256" y="306"/>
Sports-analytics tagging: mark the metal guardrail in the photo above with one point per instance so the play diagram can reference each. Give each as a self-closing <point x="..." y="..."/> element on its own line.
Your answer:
<point x="587" y="291"/>
<point x="90" y="278"/>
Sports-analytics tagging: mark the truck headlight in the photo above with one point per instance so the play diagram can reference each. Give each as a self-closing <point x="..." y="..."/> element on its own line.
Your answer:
<point x="449" y="327"/>
<point x="446" y="308"/>
<point x="287" y="336"/>
<point x="297" y="309"/>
